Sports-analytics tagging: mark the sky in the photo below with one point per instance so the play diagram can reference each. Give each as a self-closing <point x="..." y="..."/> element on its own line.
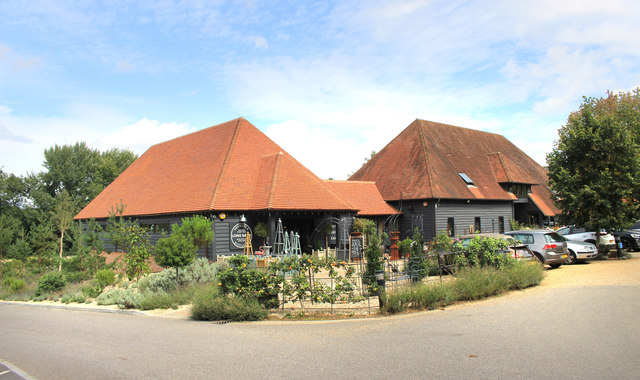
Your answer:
<point x="329" y="81"/>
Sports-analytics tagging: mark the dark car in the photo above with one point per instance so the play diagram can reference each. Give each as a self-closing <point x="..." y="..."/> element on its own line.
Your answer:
<point x="630" y="237"/>
<point x="549" y="247"/>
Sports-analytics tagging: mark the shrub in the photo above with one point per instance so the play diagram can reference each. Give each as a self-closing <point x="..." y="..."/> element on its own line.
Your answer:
<point x="209" y="305"/>
<point x="164" y="300"/>
<point x="66" y="298"/>
<point x="92" y="290"/>
<point x="50" y="282"/>
<point x="111" y="297"/>
<point x="14" y="284"/>
<point x="79" y="298"/>
<point x="478" y="282"/>
<point x="249" y="283"/>
<point x="75" y="277"/>
<point x="523" y="274"/>
<point x="106" y="277"/>
<point x="420" y="296"/>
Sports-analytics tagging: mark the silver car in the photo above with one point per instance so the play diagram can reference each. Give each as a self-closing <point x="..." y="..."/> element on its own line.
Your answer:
<point x="549" y="247"/>
<point x="580" y="250"/>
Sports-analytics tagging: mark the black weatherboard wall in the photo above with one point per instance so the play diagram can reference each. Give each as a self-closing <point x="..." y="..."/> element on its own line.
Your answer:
<point x="464" y="215"/>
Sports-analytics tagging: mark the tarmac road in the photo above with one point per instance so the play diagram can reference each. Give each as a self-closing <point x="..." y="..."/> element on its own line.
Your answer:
<point x="569" y="332"/>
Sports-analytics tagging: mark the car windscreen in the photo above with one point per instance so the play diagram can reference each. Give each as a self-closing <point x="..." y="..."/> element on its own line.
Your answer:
<point x="552" y="237"/>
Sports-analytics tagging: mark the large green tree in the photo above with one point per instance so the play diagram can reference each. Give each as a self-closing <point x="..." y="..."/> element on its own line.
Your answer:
<point x="83" y="171"/>
<point x="594" y="167"/>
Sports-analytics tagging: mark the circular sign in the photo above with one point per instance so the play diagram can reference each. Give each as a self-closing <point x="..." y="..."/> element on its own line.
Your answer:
<point x="239" y="235"/>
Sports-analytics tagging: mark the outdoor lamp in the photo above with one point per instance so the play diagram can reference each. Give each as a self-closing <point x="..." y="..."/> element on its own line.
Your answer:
<point x="243" y="219"/>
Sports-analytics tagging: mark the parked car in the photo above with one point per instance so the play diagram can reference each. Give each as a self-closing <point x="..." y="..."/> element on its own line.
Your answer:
<point x="605" y="241"/>
<point x="515" y="250"/>
<point x="549" y="247"/>
<point x="630" y="237"/>
<point x="580" y="250"/>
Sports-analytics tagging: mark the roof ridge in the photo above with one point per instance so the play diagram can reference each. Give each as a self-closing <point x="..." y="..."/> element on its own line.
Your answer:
<point x="226" y="163"/>
<point x="274" y="177"/>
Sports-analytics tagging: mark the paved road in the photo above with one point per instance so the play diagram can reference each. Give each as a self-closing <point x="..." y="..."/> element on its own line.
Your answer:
<point x="562" y="333"/>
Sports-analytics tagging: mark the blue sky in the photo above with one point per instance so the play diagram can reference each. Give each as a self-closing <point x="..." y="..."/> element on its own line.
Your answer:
<point x="328" y="81"/>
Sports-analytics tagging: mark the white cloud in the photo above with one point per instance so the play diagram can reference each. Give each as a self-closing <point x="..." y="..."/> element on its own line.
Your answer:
<point x="24" y="139"/>
<point x="140" y="135"/>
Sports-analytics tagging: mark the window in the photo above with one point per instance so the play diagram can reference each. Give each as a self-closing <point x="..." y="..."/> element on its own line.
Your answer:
<point x="466" y="178"/>
<point x="524" y="239"/>
<point x="501" y="224"/>
<point x="160" y="228"/>
<point x="477" y="226"/>
<point x="451" y="227"/>
<point x="519" y="190"/>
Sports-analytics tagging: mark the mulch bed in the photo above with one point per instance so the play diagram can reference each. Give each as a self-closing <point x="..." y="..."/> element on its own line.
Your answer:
<point x="117" y="257"/>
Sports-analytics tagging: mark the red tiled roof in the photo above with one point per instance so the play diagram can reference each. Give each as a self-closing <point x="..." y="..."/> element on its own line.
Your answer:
<point x="230" y="166"/>
<point x="364" y="195"/>
<point x="424" y="160"/>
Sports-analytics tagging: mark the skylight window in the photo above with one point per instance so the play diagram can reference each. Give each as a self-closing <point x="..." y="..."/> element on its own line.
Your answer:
<point x="466" y="178"/>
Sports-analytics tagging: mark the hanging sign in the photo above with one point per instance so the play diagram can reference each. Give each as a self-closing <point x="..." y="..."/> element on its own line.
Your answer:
<point x="239" y="235"/>
<point x="333" y="235"/>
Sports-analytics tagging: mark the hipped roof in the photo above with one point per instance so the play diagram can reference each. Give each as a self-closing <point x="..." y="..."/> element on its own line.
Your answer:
<point x="424" y="161"/>
<point x="227" y="167"/>
<point x="364" y="195"/>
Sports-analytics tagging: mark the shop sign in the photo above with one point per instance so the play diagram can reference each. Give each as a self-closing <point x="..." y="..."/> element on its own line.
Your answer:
<point x="239" y="235"/>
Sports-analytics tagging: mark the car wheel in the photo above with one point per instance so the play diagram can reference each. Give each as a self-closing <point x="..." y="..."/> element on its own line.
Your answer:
<point x="572" y="258"/>
<point x="539" y="257"/>
<point x="626" y="245"/>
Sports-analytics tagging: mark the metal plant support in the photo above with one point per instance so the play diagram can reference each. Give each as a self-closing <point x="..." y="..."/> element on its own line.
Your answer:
<point x="278" y="245"/>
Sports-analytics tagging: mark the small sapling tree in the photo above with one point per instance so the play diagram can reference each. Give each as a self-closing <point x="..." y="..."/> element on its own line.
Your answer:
<point x="175" y="251"/>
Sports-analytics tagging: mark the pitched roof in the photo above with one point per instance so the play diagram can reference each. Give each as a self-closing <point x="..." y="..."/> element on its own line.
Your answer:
<point x="426" y="159"/>
<point x="364" y="195"/>
<point x="230" y="166"/>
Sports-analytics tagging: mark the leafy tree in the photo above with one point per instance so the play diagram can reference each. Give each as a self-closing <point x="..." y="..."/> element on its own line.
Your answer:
<point x="197" y="230"/>
<point x="84" y="172"/>
<point x="262" y="230"/>
<point x="175" y="251"/>
<point x="62" y="216"/>
<point x="594" y="166"/>
<point x="138" y="251"/>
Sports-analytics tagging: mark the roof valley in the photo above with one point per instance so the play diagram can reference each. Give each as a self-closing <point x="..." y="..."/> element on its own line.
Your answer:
<point x="274" y="179"/>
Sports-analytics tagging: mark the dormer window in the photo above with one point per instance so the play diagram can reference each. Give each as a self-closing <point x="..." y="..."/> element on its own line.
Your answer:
<point x="466" y="178"/>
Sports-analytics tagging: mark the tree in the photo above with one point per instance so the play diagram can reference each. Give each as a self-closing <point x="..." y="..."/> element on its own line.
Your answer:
<point x="92" y="239"/>
<point x="262" y="230"/>
<point x="175" y="251"/>
<point x="62" y="215"/>
<point x="197" y="230"/>
<point x="84" y="172"/>
<point x="9" y="227"/>
<point x="138" y="250"/>
<point x="43" y="242"/>
<point x="595" y="163"/>
<point x="117" y="225"/>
